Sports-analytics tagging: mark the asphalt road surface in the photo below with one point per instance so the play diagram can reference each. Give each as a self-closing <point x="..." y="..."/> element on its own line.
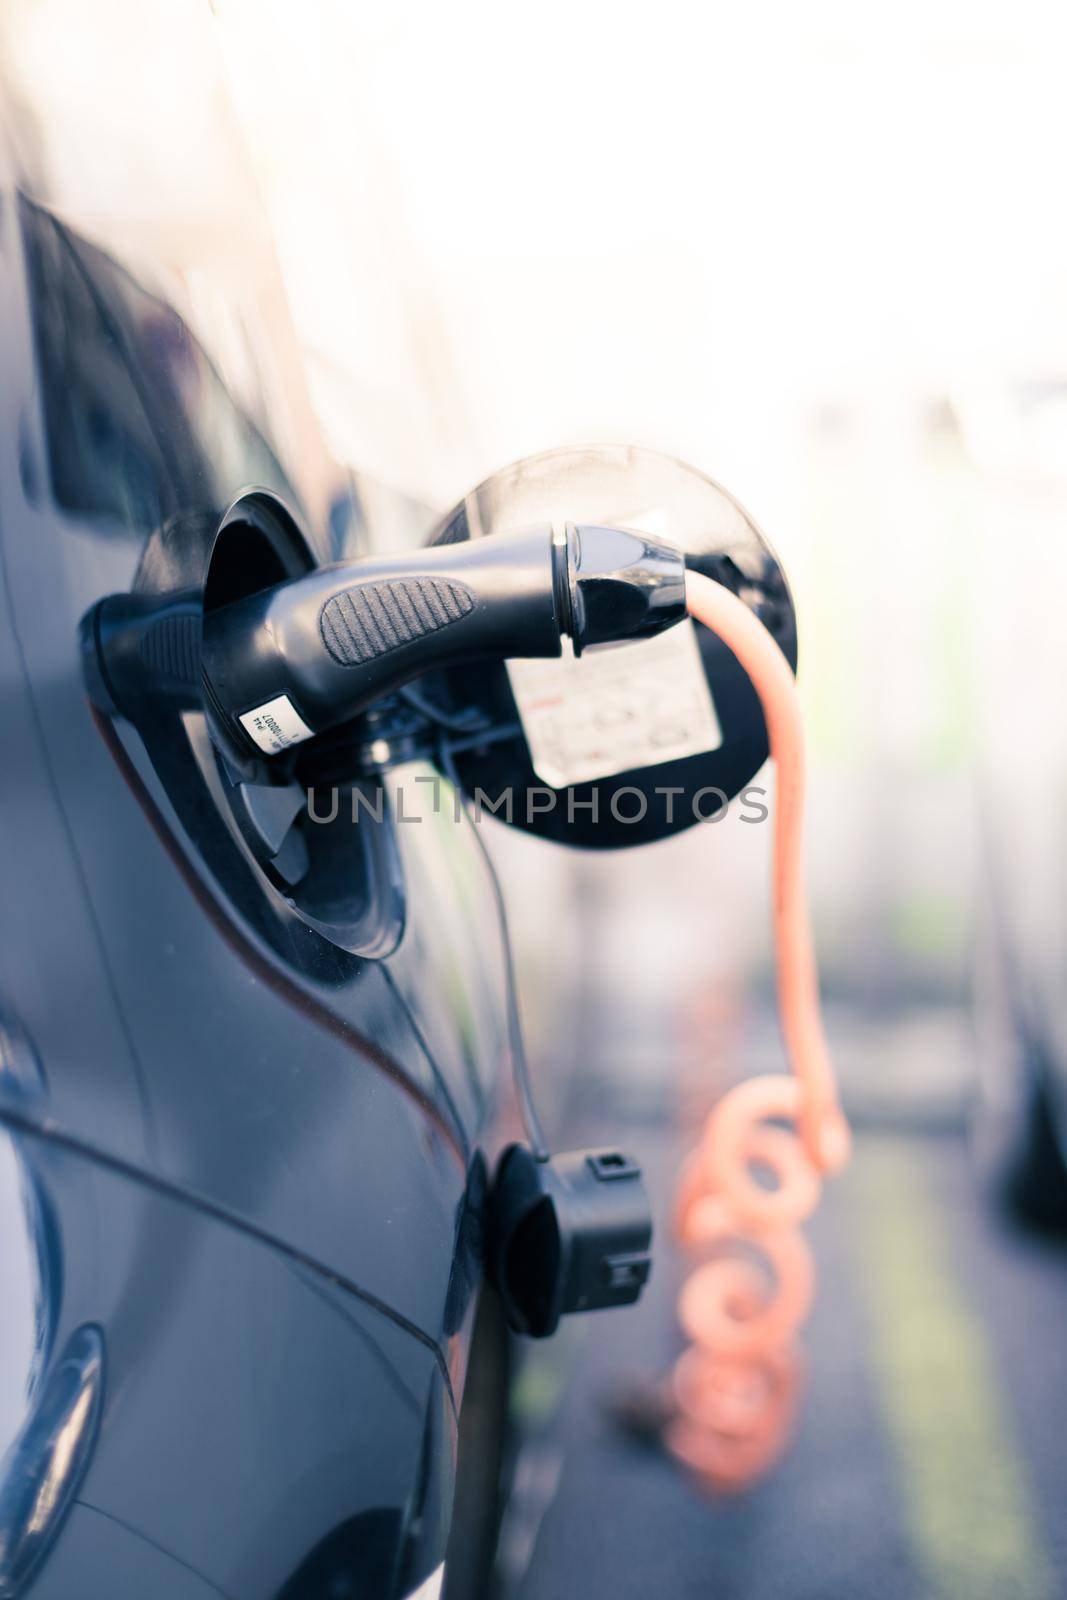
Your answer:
<point x="932" y="1458"/>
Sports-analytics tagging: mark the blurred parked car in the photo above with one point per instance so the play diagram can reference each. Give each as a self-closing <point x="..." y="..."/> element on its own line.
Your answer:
<point x="1015" y="436"/>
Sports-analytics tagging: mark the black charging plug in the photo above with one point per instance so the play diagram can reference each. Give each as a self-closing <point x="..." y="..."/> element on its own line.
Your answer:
<point x="303" y="656"/>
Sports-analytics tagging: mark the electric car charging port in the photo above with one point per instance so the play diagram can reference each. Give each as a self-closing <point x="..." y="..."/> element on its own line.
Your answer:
<point x="342" y="880"/>
<point x="257" y="545"/>
<point x="336" y="871"/>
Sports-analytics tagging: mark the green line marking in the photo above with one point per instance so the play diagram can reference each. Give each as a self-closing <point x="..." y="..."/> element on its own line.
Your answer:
<point x="963" y="1483"/>
<point x="544" y="1374"/>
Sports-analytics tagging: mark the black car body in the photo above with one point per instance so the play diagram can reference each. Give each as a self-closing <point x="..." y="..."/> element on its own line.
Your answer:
<point x="243" y="1161"/>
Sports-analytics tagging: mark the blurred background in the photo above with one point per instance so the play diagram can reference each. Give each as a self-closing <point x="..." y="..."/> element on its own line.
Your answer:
<point x="820" y="253"/>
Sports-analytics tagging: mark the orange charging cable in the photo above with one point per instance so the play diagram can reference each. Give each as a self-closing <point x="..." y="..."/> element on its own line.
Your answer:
<point x="751" y="1182"/>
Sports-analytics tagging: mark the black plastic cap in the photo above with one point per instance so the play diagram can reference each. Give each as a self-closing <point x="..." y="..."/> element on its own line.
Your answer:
<point x="568" y="1234"/>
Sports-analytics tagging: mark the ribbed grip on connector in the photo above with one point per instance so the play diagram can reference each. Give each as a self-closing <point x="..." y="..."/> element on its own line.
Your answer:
<point x="372" y="619"/>
<point x="171" y="646"/>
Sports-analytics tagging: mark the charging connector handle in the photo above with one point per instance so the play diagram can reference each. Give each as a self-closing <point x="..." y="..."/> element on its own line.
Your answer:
<point x="306" y="655"/>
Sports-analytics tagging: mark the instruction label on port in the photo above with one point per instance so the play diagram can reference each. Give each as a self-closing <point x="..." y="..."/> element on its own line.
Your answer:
<point x="617" y="708"/>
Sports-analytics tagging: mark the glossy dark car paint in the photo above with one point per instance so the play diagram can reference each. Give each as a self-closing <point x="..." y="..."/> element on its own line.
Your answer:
<point x="248" y="1162"/>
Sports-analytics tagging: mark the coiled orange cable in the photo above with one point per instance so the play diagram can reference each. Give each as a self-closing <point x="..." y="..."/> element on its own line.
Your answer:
<point x="735" y="1390"/>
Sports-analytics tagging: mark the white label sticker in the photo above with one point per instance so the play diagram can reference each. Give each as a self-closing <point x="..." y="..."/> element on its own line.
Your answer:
<point x="615" y="709"/>
<point x="275" y="725"/>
